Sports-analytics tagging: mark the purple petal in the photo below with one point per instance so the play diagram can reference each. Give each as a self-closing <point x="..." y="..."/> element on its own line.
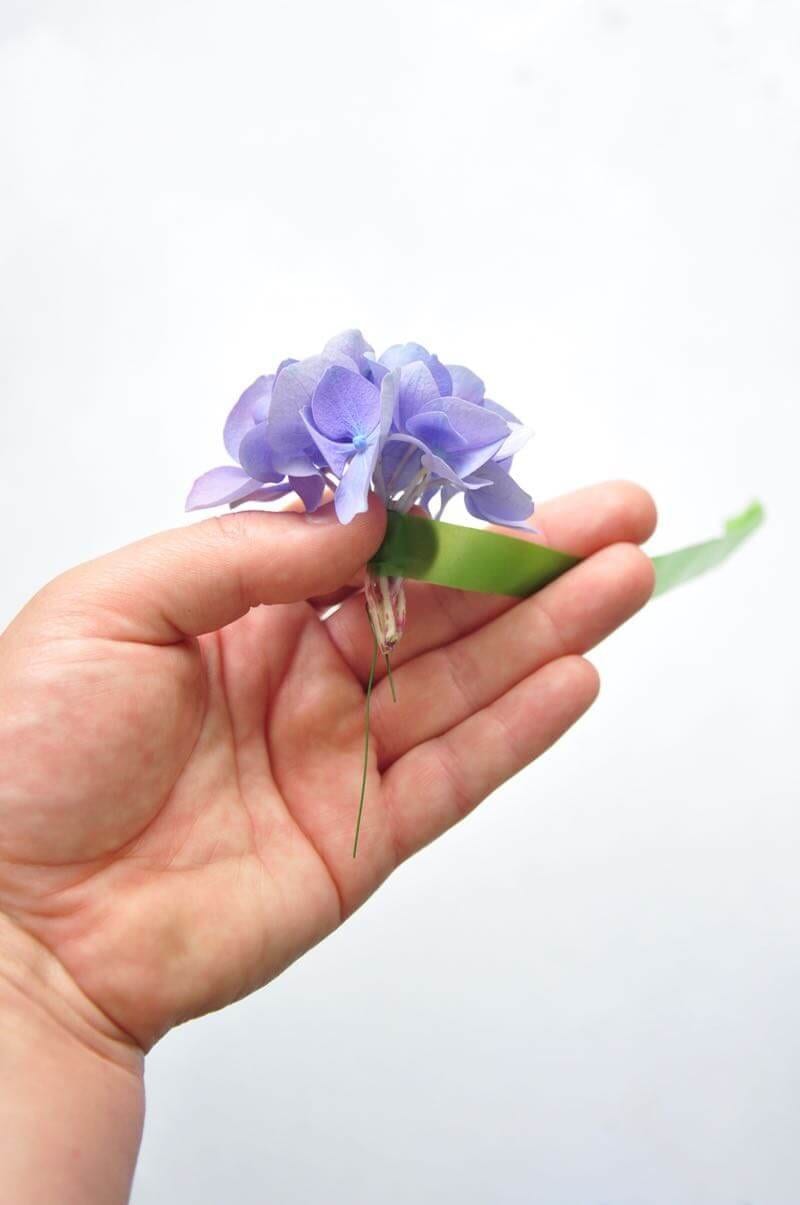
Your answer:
<point x="445" y="493"/>
<point x="417" y="389"/>
<point x="389" y="387"/>
<point x="266" y="493"/>
<point x="353" y="489"/>
<point x="520" y="434"/>
<point x="375" y="370"/>
<point x="289" y="440"/>
<point x="447" y="471"/>
<point x="335" y="453"/>
<point x="516" y="441"/>
<point x="502" y="501"/>
<point x="496" y="408"/>
<point x="434" y="428"/>
<point x="351" y="344"/>
<point x="404" y="353"/>
<point x="345" y="404"/>
<point x="482" y="432"/>
<point x="478" y="426"/>
<point x="309" y="489"/>
<point x="436" y="464"/>
<point x="400" y="463"/>
<point x="255" y="456"/>
<point x="429" y="496"/>
<point x="464" y="464"/>
<point x="466" y="384"/>
<point x="220" y="486"/>
<point x="441" y="376"/>
<point x="251" y="408"/>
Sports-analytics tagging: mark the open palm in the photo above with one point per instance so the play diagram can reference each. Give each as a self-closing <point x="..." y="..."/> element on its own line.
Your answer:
<point x="179" y="766"/>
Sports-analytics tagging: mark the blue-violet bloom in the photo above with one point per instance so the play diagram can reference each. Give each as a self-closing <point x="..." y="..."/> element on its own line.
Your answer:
<point x="403" y="424"/>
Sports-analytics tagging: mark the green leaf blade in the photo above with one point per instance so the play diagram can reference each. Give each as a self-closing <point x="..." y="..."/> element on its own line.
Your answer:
<point x="464" y="558"/>
<point x="676" y="568"/>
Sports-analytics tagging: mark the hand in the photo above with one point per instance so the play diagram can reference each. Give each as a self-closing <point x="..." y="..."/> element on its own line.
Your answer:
<point x="179" y="767"/>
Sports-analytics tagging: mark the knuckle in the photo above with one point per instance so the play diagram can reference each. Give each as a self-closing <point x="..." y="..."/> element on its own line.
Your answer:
<point x="234" y="528"/>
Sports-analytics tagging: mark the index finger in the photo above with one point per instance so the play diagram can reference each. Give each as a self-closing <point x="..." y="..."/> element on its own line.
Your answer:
<point x="583" y="522"/>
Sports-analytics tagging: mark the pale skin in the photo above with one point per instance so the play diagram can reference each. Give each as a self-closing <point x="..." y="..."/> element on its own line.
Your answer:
<point x="179" y="771"/>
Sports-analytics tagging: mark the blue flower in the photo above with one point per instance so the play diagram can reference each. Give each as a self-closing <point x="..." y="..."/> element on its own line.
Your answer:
<point x="257" y="480"/>
<point x="347" y="420"/>
<point x="265" y="434"/>
<point x="502" y="501"/>
<point x="404" y="424"/>
<point x="444" y="432"/>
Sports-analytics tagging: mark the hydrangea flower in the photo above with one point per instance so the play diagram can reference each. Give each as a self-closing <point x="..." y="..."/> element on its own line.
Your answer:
<point x="404" y="424"/>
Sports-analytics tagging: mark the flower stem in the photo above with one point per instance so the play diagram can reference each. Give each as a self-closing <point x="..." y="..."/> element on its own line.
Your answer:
<point x="370" y="684"/>
<point x="390" y="676"/>
<point x="378" y="481"/>
<point x="412" y="492"/>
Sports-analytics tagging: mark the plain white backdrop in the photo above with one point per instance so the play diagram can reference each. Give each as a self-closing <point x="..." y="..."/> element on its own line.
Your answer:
<point x="589" y="994"/>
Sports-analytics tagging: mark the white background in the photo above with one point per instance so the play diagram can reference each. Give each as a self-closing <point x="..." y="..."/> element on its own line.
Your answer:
<point x="589" y="994"/>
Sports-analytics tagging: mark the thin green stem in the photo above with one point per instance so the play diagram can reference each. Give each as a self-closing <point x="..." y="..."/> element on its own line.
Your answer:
<point x="366" y="742"/>
<point x="390" y="676"/>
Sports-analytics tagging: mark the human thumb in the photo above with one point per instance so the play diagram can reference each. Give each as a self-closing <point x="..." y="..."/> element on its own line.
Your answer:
<point x="200" y="578"/>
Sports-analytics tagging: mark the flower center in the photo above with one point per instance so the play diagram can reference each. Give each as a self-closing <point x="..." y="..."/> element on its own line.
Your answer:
<point x="359" y="442"/>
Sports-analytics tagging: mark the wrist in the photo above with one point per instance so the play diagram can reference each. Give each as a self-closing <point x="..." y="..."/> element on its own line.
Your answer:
<point x="71" y="1087"/>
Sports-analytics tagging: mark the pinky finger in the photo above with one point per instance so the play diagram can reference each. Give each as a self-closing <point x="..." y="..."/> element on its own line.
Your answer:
<point x="440" y="782"/>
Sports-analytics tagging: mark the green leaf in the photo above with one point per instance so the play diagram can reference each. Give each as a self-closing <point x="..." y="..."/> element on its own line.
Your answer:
<point x="675" y="568"/>
<point x="465" y="558"/>
<point x="468" y="559"/>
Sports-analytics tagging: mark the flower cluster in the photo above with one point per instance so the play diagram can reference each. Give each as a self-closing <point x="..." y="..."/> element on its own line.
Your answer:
<point x="412" y="429"/>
